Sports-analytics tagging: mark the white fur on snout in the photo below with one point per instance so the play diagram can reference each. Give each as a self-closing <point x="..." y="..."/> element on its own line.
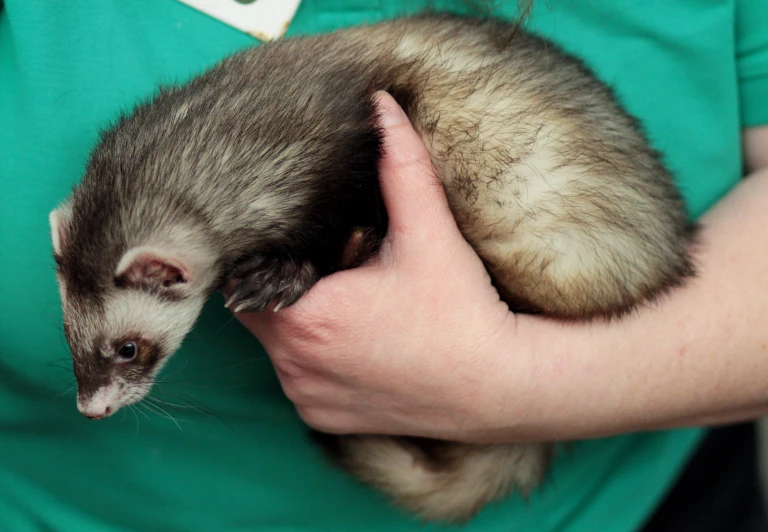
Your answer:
<point x="113" y="396"/>
<point x="103" y="403"/>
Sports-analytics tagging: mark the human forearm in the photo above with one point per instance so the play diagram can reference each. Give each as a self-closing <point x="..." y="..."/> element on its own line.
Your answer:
<point x="418" y="342"/>
<point x="698" y="356"/>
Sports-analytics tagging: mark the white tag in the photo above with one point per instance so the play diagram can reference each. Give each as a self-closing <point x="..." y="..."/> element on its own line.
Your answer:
<point x="264" y="19"/>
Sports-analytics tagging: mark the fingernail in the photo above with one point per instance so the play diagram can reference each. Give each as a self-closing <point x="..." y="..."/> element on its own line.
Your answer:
<point x="391" y="113"/>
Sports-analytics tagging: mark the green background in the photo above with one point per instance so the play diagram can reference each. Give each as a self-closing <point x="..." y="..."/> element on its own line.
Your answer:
<point x="694" y="72"/>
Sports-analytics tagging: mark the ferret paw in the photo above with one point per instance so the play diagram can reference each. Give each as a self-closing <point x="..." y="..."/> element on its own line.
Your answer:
<point x="265" y="278"/>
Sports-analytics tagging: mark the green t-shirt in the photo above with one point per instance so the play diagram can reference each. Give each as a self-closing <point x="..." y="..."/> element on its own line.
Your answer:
<point x="694" y="72"/>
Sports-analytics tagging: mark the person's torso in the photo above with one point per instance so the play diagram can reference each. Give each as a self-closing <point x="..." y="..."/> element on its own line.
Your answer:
<point x="239" y="457"/>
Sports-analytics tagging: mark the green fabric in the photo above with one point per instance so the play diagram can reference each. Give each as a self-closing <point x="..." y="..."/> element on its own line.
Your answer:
<point x="752" y="65"/>
<point x="694" y="72"/>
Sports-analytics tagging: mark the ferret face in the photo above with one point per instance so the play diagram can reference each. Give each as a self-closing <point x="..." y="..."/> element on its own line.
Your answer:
<point x="125" y="316"/>
<point x="119" y="345"/>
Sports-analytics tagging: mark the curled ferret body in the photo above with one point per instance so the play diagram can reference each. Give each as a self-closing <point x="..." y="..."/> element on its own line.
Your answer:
<point x="264" y="167"/>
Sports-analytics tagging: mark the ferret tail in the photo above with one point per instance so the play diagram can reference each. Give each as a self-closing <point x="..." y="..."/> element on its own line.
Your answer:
<point x="440" y="481"/>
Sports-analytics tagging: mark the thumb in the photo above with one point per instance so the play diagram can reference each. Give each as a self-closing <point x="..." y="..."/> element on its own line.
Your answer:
<point x="413" y="195"/>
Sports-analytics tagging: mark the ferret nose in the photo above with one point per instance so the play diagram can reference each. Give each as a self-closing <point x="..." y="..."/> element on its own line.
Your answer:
<point x="100" y="403"/>
<point x="94" y="411"/>
<point x="96" y="414"/>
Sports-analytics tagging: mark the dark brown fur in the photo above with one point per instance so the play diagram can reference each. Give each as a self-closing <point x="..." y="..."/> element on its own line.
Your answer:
<point x="265" y="169"/>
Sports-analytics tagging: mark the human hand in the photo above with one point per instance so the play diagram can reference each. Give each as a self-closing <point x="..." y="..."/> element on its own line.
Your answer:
<point x="417" y="342"/>
<point x="407" y="343"/>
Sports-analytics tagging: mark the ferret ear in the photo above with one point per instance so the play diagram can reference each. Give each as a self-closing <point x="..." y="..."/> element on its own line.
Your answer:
<point x="59" y="220"/>
<point x="151" y="267"/>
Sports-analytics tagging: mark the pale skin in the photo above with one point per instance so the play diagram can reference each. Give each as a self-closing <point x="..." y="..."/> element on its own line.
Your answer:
<point x="417" y="342"/>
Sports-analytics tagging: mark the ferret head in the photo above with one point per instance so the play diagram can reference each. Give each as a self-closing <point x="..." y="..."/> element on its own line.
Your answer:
<point x="124" y="317"/>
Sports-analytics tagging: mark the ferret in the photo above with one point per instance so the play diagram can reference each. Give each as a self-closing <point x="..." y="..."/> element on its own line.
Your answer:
<point x="264" y="167"/>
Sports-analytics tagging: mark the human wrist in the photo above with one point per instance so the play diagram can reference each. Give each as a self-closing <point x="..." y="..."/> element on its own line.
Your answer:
<point x="566" y="380"/>
<point x="504" y="382"/>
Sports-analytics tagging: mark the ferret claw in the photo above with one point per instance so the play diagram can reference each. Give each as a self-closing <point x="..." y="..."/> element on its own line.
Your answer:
<point x="270" y="278"/>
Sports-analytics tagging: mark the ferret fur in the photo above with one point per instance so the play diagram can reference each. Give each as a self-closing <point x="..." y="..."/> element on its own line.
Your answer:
<point x="264" y="167"/>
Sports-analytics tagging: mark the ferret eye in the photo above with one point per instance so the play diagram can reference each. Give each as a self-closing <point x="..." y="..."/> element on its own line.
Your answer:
<point x="128" y="351"/>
